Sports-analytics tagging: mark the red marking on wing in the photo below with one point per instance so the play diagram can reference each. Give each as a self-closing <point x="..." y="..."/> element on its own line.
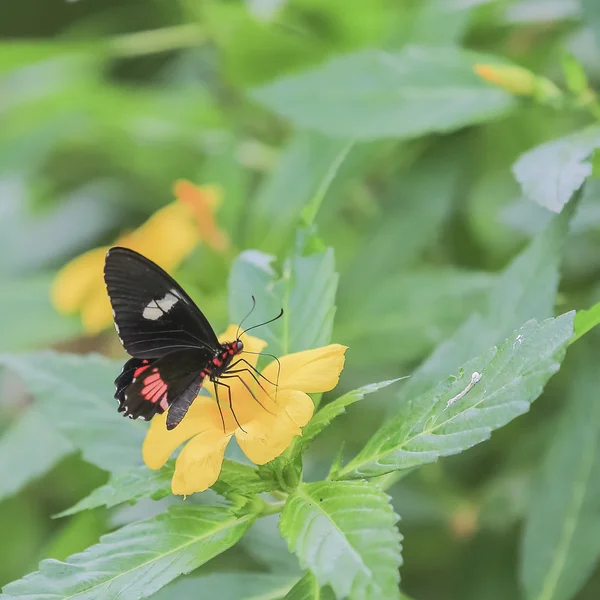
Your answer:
<point x="152" y="378"/>
<point x="139" y="370"/>
<point x="217" y="361"/>
<point x="154" y="388"/>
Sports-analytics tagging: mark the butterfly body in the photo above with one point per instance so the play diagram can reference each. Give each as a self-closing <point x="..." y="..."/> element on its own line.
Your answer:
<point x="173" y="348"/>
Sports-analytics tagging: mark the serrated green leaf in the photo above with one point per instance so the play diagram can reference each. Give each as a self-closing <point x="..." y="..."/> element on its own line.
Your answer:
<point x="75" y="394"/>
<point x="512" y="377"/>
<point x="137" y="560"/>
<point x="525" y="290"/>
<point x="561" y="541"/>
<point x="334" y="409"/>
<point x="308" y="588"/>
<point x="238" y="585"/>
<point x="345" y="533"/>
<point x="142" y="482"/>
<point x="551" y="173"/>
<point x="375" y="94"/>
<point x="306" y="292"/>
<point x="28" y="449"/>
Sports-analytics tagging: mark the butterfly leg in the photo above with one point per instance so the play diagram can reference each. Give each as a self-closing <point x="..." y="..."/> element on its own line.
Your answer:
<point x="218" y="383"/>
<point x="227" y="376"/>
<point x="249" y="367"/>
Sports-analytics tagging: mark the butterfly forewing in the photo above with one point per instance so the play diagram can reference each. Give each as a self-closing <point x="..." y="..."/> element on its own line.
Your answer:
<point x="153" y="314"/>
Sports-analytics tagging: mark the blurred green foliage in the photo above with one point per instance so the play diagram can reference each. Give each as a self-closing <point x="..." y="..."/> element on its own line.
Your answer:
<point x="359" y="154"/>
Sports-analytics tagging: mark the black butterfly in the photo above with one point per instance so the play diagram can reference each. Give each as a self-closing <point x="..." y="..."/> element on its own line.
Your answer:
<point x="173" y="346"/>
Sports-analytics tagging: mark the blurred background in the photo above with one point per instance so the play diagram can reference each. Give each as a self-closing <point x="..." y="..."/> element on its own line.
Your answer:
<point x="106" y="104"/>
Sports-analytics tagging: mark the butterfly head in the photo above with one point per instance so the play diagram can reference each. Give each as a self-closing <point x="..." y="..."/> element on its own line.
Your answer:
<point x="238" y="346"/>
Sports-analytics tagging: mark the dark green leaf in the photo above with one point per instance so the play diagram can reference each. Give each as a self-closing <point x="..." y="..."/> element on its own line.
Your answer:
<point x="28" y="449"/>
<point x="137" y="560"/>
<point x="561" y="543"/>
<point x="345" y="533"/>
<point x="75" y="395"/>
<point x="551" y="173"/>
<point x="512" y="377"/>
<point x="375" y="94"/>
<point x="309" y="589"/>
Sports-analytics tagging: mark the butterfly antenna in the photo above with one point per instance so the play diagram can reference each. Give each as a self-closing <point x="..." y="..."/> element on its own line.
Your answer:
<point x="265" y="323"/>
<point x="237" y="335"/>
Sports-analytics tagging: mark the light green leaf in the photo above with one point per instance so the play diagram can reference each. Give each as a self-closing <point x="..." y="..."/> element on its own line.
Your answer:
<point x="239" y="585"/>
<point x="308" y="588"/>
<point x="525" y="290"/>
<point x="551" y="173"/>
<point x="575" y="76"/>
<point x="332" y="410"/>
<point x="375" y="94"/>
<point x="585" y="320"/>
<point x="561" y="541"/>
<point x="75" y="395"/>
<point x="306" y="292"/>
<point x="512" y="377"/>
<point x="27" y="319"/>
<point x="345" y="533"/>
<point x="142" y="482"/>
<point x="28" y="449"/>
<point x="304" y="173"/>
<point x="137" y="560"/>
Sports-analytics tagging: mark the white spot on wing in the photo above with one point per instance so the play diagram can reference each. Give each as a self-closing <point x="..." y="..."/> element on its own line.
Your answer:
<point x="157" y="308"/>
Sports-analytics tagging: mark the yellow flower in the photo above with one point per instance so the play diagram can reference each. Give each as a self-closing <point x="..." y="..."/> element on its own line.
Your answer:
<point x="263" y="426"/>
<point x="166" y="238"/>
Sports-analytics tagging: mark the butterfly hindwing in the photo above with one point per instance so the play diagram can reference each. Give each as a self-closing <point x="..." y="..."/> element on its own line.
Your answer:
<point x="153" y="314"/>
<point x="172" y="381"/>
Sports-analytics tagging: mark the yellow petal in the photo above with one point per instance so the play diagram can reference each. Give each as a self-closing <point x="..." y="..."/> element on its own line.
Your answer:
<point x="167" y="237"/>
<point x="310" y="371"/>
<point x="77" y="279"/>
<point x="268" y="435"/>
<point x="160" y="443"/>
<point x="96" y="313"/>
<point x="199" y="464"/>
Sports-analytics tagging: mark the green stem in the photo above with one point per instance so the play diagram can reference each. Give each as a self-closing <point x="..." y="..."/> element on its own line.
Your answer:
<point x="271" y="508"/>
<point x="157" y="40"/>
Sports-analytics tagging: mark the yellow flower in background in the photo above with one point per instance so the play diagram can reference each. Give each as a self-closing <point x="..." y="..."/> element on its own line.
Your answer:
<point x="166" y="238"/>
<point x="263" y="426"/>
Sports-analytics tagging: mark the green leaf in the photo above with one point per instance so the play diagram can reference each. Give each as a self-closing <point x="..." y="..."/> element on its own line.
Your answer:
<point x="574" y="74"/>
<point x="591" y="14"/>
<point x="561" y="542"/>
<point x="375" y="94"/>
<point x="306" y="292"/>
<point x="137" y="560"/>
<point x="585" y="320"/>
<point x="551" y="173"/>
<point x="229" y="586"/>
<point x="304" y="173"/>
<point x="308" y="588"/>
<point x="28" y="449"/>
<point x="525" y="290"/>
<point x="345" y="533"/>
<point x="27" y="318"/>
<point x="75" y="395"/>
<point x="142" y="482"/>
<point x="334" y="409"/>
<point x="512" y="377"/>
